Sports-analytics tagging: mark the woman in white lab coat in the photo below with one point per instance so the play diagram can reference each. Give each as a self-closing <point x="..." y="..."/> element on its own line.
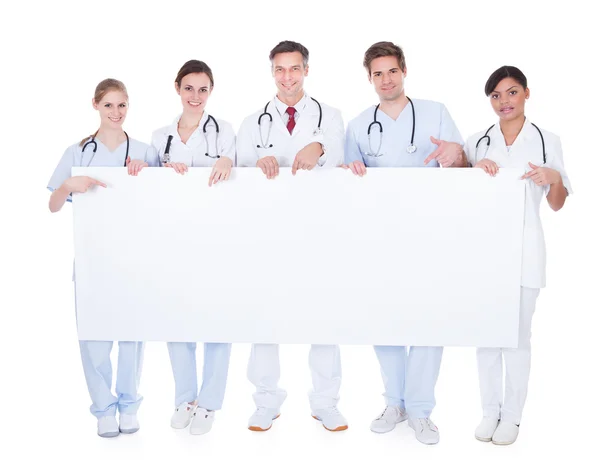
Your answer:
<point x="516" y="142"/>
<point x="197" y="139"/>
<point x="109" y="146"/>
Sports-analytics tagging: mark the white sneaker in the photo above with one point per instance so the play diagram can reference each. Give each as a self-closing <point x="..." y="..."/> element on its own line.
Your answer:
<point x="388" y="419"/>
<point x="203" y="421"/>
<point x="505" y="434"/>
<point x="182" y="416"/>
<point x="108" y="426"/>
<point x="425" y="430"/>
<point x="262" y="419"/>
<point x="331" y="418"/>
<point x="128" y="423"/>
<point x="486" y="428"/>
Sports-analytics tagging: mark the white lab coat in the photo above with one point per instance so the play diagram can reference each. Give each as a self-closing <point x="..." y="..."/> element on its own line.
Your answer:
<point x="193" y="152"/>
<point x="285" y="146"/>
<point x="526" y="148"/>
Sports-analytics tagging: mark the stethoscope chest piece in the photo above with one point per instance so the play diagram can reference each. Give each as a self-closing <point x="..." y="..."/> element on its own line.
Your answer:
<point x="411" y="149"/>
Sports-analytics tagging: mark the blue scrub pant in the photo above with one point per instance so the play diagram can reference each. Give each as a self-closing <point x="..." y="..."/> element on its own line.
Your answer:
<point x="409" y="379"/>
<point x="214" y="373"/>
<point x="97" y="367"/>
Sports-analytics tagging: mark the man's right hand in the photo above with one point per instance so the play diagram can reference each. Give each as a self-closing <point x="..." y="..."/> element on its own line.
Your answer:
<point x="269" y="166"/>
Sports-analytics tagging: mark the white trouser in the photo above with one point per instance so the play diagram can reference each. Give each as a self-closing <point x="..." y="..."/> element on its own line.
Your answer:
<point x="325" y="367"/>
<point x="409" y="379"/>
<point x="517" y="362"/>
<point x="214" y="373"/>
<point x="97" y="367"/>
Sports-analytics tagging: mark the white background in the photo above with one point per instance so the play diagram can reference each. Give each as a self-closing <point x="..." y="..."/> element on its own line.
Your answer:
<point x="53" y="55"/>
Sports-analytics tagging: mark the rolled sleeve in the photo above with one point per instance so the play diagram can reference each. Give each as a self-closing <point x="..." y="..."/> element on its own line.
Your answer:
<point x="352" y="151"/>
<point x="246" y="154"/>
<point x="333" y="142"/>
<point x="556" y="162"/>
<point x="227" y="142"/>
<point x="62" y="172"/>
<point x="448" y="129"/>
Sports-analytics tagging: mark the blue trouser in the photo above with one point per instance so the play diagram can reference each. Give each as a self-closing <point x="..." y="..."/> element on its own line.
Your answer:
<point x="214" y="373"/>
<point x="97" y="367"/>
<point x="409" y="379"/>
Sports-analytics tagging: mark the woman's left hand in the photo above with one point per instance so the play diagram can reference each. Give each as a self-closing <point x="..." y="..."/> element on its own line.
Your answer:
<point x="135" y="166"/>
<point x="542" y="176"/>
<point x="220" y="171"/>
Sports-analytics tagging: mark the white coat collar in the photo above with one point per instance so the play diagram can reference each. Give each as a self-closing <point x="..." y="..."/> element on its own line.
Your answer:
<point x="172" y="130"/>
<point x="300" y="106"/>
<point x="524" y="134"/>
<point x="306" y="107"/>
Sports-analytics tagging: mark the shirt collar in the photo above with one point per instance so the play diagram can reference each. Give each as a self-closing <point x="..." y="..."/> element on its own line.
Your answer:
<point x="299" y="106"/>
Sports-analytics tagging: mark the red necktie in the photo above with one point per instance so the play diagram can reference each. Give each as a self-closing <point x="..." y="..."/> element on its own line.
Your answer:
<point x="292" y="120"/>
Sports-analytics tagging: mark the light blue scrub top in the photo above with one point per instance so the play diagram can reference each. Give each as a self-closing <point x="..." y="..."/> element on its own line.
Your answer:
<point x="75" y="157"/>
<point x="431" y="119"/>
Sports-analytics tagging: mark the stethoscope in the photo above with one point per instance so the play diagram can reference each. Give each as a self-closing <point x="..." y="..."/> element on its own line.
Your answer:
<point x="489" y="140"/>
<point x="265" y="143"/>
<point x="167" y="157"/>
<point x="411" y="148"/>
<point x="93" y="141"/>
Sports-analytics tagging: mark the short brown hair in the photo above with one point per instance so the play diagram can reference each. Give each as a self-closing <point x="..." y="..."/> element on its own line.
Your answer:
<point x="381" y="49"/>
<point x="194" y="67"/>
<point x="288" y="46"/>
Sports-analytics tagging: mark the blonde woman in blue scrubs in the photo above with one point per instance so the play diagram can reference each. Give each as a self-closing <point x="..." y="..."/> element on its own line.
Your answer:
<point x="109" y="146"/>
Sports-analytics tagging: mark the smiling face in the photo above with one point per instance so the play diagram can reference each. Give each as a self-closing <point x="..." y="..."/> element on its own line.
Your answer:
<point x="194" y="92"/>
<point x="508" y="99"/>
<point x="387" y="78"/>
<point x="289" y="71"/>
<point x="112" y="109"/>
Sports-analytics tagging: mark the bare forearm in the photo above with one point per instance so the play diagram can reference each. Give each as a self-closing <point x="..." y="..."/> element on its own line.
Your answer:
<point x="58" y="198"/>
<point x="557" y="196"/>
<point x="316" y="148"/>
<point x="461" y="161"/>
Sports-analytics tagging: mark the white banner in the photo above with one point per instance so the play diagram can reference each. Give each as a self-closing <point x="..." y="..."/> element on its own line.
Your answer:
<point x="399" y="257"/>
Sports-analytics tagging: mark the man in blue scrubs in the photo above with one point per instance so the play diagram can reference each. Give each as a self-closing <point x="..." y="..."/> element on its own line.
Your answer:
<point x="403" y="132"/>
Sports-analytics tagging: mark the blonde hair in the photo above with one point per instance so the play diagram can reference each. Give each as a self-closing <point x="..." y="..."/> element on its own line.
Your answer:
<point x="101" y="90"/>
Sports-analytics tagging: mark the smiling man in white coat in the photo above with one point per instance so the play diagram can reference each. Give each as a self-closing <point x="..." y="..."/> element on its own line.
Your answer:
<point x="297" y="131"/>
